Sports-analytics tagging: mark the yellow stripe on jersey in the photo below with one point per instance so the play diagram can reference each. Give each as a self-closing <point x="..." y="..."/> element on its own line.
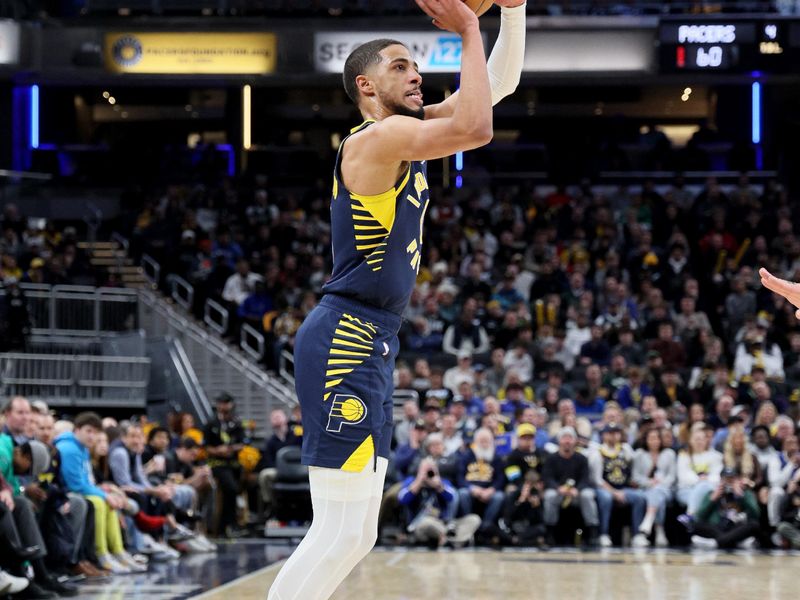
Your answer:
<point x="359" y="127"/>
<point x="330" y="372"/>
<point x="367" y="246"/>
<point x="380" y="206"/>
<point x="370" y="236"/>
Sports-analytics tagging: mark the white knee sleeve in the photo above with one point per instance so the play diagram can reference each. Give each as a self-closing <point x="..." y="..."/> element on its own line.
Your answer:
<point x="343" y="531"/>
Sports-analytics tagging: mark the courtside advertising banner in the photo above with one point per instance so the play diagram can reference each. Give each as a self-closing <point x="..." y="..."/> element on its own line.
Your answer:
<point x="190" y="53"/>
<point x="9" y="42"/>
<point x="434" y="52"/>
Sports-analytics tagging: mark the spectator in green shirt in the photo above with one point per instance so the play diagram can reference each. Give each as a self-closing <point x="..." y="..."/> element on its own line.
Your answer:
<point x="728" y="516"/>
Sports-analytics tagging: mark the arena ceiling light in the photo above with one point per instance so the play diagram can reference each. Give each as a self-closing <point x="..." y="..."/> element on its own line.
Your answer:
<point x="34" y="116"/>
<point x="247" y="107"/>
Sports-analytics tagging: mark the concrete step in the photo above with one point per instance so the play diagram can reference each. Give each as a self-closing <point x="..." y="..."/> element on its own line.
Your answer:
<point x="107" y="253"/>
<point x="110" y="261"/>
<point x="126" y="269"/>
<point x="94" y="246"/>
<point x="137" y="284"/>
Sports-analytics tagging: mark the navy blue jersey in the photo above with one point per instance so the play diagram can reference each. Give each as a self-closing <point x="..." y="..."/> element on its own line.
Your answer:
<point x="377" y="240"/>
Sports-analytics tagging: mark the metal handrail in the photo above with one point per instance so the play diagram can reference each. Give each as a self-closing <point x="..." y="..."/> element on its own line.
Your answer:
<point x="249" y="332"/>
<point x="218" y="366"/>
<point x="79" y="311"/>
<point x="121" y="240"/>
<point x="286" y="358"/>
<point x="213" y="307"/>
<point x="151" y="269"/>
<point x="181" y="291"/>
<point x="5" y="173"/>
<point x="188" y="376"/>
<point x="77" y="378"/>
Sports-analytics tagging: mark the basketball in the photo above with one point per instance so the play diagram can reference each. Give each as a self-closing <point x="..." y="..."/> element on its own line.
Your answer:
<point x="351" y="409"/>
<point x="479" y="6"/>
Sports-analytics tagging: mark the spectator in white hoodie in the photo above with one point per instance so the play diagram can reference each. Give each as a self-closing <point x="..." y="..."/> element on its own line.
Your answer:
<point x="699" y="467"/>
<point x="654" y="472"/>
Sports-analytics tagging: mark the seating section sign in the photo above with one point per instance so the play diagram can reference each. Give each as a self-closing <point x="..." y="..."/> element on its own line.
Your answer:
<point x="434" y="52"/>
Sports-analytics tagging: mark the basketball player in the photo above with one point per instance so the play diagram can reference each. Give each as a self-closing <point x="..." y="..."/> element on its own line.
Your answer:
<point x="787" y="289"/>
<point x="345" y="350"/>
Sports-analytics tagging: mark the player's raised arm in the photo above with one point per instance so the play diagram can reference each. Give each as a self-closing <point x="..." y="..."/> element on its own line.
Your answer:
<point x="787" y="289"/>
<point x="505" y="62"/>
<point x="402" y="138"/>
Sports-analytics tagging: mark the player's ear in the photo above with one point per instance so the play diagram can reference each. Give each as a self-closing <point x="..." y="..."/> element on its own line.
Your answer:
<point x="365" y="85"/>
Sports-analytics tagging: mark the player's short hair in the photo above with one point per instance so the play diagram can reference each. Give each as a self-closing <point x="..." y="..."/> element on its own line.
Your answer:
<point x="360" y="60"/>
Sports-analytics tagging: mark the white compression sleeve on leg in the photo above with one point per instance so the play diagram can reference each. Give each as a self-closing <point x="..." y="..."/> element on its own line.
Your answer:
<point x="342" y="533"/>
<point x="508" y="55"/>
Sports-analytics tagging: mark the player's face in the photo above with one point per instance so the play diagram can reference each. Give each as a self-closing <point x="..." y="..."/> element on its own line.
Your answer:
<point x="398" y="83"/>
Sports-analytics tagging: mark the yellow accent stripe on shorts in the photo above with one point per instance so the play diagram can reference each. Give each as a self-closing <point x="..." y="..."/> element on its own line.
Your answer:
<point x="341" y="342"/>
<point x="338" y="352"/>
<point x="356" y="462"/>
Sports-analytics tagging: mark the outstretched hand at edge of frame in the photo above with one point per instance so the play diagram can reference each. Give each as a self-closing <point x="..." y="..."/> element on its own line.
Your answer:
<point x="787" y="289"/>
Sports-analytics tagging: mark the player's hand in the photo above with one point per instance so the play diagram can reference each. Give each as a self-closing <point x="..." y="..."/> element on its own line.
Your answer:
<point x="450" y="15"/>
<point x="787" y="289"/>
<point x="509" y="3"/>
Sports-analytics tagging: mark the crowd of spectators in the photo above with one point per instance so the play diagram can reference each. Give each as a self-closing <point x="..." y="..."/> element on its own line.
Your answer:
<point x="591" y="314"/>
<point x="83" y="498"/>
<point x="620" y="327"/>
<point x="37" y="251"/>
<point x="623" y="328"/>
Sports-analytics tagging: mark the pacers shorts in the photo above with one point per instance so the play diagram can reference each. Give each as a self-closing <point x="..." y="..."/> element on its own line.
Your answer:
<point x="344" y="358"/>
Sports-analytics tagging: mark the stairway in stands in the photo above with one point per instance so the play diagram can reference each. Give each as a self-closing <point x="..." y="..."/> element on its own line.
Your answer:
<point x="114" y="259"/>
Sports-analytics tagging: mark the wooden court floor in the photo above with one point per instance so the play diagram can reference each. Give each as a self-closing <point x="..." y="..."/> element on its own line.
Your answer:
<point x="609" y="575"/>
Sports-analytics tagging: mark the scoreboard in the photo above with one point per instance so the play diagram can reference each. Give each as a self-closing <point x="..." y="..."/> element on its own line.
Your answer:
<point x="735" y="46"/>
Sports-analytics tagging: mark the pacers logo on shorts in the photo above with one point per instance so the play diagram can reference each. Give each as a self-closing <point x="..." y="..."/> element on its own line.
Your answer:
<point x="346" y="409"/>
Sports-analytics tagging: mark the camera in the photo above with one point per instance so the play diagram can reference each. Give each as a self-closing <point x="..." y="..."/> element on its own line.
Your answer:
<point x="730" y="496"/>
